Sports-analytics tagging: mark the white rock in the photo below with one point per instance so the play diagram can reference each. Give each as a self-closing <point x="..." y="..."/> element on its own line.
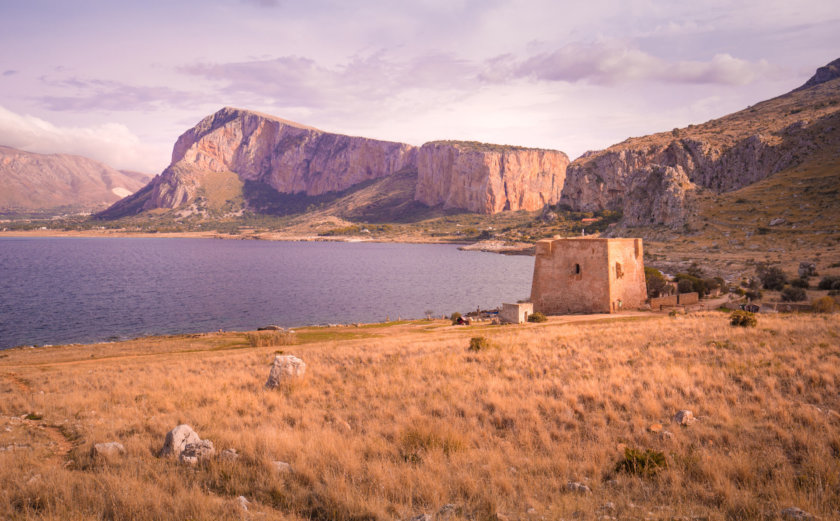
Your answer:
<point x="198" y="451"/>
<point x="795" y="514"/>
<point x="109" y="450"/>
<point x="684" y="417"/>
<point x="177" y="439"/>
<point x="285" y="367"/>
<point x="243" y="502"/>
<point x="282" y="467"/>
<point x="229" y="455"/>
<point x="421" y="517"/>
<point x="574" y="486"/>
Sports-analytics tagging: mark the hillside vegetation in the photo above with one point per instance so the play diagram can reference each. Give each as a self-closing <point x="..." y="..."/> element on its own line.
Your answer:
<point x="398" y="420"/>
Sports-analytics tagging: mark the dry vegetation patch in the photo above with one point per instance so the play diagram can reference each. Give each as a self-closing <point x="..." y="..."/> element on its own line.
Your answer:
<point x="412" y="421"/>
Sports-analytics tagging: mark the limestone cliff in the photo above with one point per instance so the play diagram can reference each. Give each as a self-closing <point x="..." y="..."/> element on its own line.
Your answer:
<point x="289" y="157"/>
<point x="722" y="155"/>
<point x="37" y="182"/>
<point x="488" y="178"/>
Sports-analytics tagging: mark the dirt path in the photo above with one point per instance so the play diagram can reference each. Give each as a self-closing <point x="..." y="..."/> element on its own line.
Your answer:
<point x="18" y="383"/>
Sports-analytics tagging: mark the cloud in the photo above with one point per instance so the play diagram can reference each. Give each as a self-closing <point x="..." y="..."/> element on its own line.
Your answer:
<point x="9" y="72"/>
<point x="611" y="63"/>
<point x="115" y="96"/>
<point x="112" y="143"/>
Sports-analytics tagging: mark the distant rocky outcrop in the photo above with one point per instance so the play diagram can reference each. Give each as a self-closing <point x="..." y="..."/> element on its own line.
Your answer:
<point x="290" y="158"/>
<point x="488" y="179"/>
<point x="721" y="155"/>
<point x="36" y="182"/>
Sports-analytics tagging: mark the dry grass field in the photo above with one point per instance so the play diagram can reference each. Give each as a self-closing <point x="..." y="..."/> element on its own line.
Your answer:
<point x="400" y="420"/>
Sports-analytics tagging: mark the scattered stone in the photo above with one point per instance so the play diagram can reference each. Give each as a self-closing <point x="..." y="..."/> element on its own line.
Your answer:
<point x="34" y="479"/>
<point x="446" y="511"/>
<point x="229" y="455"/>
<point x="243" y="503"/>
<point x="532" y="511"/>
<point x="580" y="488"/>
<point x="684" y="417"/>
<point x="796" y="514"/>
<point x="421" y="517"/>
<point x="177" y="439"/>
<point x="283" y="368"/>
<point x="807" y="269"/>
<point x="666" y="435"/>
<point x="777" y="221"/>
<point x="270" y="328"/>
<point x="609" y="506"/>
<point x="109" y="450"/>
<point x="198" y="451"/>
<point x="655" y="428"/>
<point x="282" y="467"/>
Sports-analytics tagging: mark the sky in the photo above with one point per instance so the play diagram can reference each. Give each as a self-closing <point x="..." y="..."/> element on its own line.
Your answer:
<point x="120" y="81"/>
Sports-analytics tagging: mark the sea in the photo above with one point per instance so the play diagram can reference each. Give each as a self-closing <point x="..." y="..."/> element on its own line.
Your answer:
<point x="84" y="290"/>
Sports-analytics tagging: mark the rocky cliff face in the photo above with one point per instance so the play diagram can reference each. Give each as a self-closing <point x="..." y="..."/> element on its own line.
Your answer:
<point x="488" y="178"/>
<point x="721" y="155"/>
<point x="289" y="157"/>
<point x="295" y="159"/>
<point x="30" y="181"/>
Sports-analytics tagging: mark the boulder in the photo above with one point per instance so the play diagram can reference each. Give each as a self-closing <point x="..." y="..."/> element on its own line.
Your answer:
<point x="109" y="450"/>
<point x="807" y="269"/>
<point x="795" y="514"/>
<point x="243" y="503"/>
<point x="777" y="221"/>
<point x="177" y="439"/>
<point x="684" y="417"/>
<point x="229" y="455"/>
<point x="281" y="467"/>
<point x="284" y="368"/>
<point x="580" y="488"/>
<point x="421" y="517"/>
<point x="198" y="451"/>
<point x="270" y="328"/>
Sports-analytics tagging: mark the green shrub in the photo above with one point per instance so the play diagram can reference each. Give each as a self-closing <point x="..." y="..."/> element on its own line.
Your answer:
<point x="800" y="283"/>
<point x="792" y="294"/>
<point x="655" y="282"/>
<point x="641" y="463"/>
<point x="537" y="317"/>
<point x="823" y="305"/>
<point x="771" y="277"/>
<point x="479" y="343"/>
<point x="686" y="283"/>
<point x="685" y="286"/>
<point x="455" y="316"/>
<point x="830" y="282"/>
<point x="743" y="319"/>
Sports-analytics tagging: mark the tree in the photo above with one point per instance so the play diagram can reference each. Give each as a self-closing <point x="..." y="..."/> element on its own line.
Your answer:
<point x="771" y="277"/>
<point x="655" y="282"/>
<point x="793" y="294"/>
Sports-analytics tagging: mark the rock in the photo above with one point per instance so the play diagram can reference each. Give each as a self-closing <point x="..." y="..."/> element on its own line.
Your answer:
<point x="421" y="517"/>
<point x="270" y="328"/>
<point x="658" y="195"/>
<point x="684" y="417"/>
<point x="807" y="269"/>
<point x="609" y="506"/>
<point x="284" y="368"/>
<point x="795" y="514"/>
<point x="655" y="427"/>
<point x="486" y="178"/>
<point x="580" y="488"/>
<point x="666" y="435"/>
<point x="198" y="451"/>
<point x="177" y="439"/>
<point x="109" y="450"/>
<point x="281" y="467"/>
<point x="777" y="221"/>
<point x="229" y="455"/>
<point x="243" y="503"/>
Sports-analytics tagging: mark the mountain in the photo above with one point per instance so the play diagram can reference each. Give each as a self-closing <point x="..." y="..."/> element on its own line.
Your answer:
<point x="38" y="182"/>
<point x="658" y="179"/>
<point x="239" y="159"/>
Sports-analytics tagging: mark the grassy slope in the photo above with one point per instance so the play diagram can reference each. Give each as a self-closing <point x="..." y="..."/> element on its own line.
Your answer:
<point x="405" y="420"/>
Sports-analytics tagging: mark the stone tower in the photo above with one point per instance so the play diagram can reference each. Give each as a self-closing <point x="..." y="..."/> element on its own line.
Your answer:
<point x="588" y="275"/>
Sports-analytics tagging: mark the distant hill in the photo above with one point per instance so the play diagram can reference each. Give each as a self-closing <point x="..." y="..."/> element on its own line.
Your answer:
<point x="236" y="160"/>
<point x="43" y="182"/>
<point x="658" y="179"/>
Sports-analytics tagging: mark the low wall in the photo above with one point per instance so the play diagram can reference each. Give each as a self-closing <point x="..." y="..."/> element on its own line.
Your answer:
<point x="685" y="299"/>
<point x="658" y="303"/>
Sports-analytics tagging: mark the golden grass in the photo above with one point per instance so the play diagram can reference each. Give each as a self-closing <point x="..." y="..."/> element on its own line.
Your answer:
<point x="409" y="421"/>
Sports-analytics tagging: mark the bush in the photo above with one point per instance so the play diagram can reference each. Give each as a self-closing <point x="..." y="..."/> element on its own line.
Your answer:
<point x="771" y="277"/>
<point x="686" y="283"/>
<point x="792" y="294"/>
<point x="641" y="463"/>
<point x="823" y="305"/>
<point x="800" y="283"/>
<point x="830" y="282"/>
<point x="753" y="294"/>
<point x="685" y="286"/>
<point x="655" y="282"/>
<point x="537" y="317"/>
<point x="479" y="343"/>
<point x="455" y="316"/>
<point x="271" y="338"/>
<point x="743" y="319"/>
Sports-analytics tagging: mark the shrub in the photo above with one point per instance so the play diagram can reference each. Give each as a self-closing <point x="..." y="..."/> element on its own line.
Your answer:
<point x="692" y="284"/>
<point x="800" y="283"/>
<point x="685" y="286"/>
<point x="537" y="317"/>
<point x="270" y="338"/>
<point x="655" y="282"/>
<point x="771" y="277"/>
<point x="792" y="294"/>
<point x="479" y="343"/>
<point x="641" y="463"/>
<point x="743" y="319"/>
<point x="753" y="294"/>
<point x="455" y="316"/>
<point x="830" y="282"/>
<point x="823" y="305"/>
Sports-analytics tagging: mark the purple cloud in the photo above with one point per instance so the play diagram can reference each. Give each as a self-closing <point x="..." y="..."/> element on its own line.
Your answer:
<point x="9" y="72"/>
<point x="115" y="96"/>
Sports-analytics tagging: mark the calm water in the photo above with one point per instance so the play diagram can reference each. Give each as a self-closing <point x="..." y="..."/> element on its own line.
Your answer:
<point x="65" y="290"/>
